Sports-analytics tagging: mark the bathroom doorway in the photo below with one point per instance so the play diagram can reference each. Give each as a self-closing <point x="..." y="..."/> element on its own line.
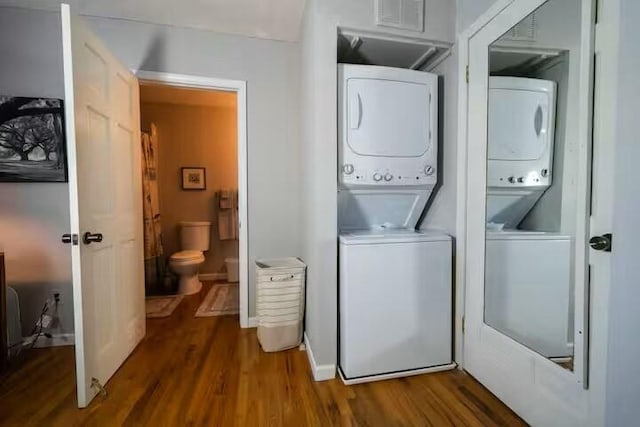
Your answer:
<point x="193" y="159"/>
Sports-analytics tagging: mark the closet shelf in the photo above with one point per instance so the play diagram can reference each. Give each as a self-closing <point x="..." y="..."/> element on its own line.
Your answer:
<point x="508" y="59"/>
<point x="374" y="48"/>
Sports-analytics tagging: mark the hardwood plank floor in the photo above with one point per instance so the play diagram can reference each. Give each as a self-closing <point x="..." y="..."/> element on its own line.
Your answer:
<point x="192" y="371"/>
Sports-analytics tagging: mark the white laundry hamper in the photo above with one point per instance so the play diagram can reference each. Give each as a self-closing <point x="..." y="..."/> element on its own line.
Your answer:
<point x="280" y="302"/>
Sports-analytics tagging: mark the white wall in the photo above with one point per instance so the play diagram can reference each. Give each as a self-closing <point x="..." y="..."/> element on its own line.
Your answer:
<point x="441" y="213"/>
<point x="33" y="216"/>
<point x="319" y="151"/>
<point x="623" y="352"/>
<point x="468" y="11"/>
<point x="319" y="167"/>
<point x="271" y="70"/>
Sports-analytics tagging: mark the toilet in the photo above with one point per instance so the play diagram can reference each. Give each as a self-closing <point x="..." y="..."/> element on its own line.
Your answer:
<point x="194" y="240"/>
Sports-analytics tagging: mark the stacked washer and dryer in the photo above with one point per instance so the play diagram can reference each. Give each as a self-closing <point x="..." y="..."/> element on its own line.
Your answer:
<point x="395" y="294"/>
<point x="528" y="279"/>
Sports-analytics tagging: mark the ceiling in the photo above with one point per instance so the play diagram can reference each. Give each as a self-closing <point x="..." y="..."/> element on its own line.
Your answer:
<point x="267" y="19"/>
<point x="160" y="94"/>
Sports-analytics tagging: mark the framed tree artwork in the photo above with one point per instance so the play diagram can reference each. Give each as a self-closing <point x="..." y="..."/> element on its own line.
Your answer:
<point x="194" y="178"/>
<point x="32" y="140"/>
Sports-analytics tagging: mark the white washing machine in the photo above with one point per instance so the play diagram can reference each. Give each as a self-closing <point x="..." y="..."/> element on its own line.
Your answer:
<point x="395" y="303"/>
<point x="528" y="293"/>
<point x="395" y="292"/>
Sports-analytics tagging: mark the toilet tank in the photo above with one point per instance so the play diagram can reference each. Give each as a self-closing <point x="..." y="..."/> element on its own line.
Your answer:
<point x="194" y="235"/>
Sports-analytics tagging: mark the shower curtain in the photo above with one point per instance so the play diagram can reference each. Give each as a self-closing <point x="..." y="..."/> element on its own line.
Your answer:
<point x="154" y="263"/>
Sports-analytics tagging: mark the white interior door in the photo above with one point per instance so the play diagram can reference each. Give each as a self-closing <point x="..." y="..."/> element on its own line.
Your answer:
<point x="103" y="139"/>
<point x="539" y="390"/>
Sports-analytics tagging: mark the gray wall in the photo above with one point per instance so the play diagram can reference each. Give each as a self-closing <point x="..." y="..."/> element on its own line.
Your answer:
<point x="33" y="216"/>
<point x="270" y="69"/>
<point x="623" y="352"/>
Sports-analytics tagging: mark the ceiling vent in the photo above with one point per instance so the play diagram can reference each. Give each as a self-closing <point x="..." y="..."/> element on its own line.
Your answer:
<point x="402" y="14"/>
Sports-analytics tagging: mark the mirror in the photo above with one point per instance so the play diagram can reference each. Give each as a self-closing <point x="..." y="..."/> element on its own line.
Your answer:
<point x="532" y="170"/>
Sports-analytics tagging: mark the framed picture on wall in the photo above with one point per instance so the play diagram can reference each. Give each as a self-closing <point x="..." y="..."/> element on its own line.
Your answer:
<point x="32" y="140"/>
<point x="194" y="178"/>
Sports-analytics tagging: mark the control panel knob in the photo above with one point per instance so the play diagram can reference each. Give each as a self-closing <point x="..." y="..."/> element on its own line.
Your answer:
<point x="388" y="177"/>
<point x="377" y="177"/>
<point x="521" y="179"/>
<point x="511" y="179"/>
<point x="347" y="169"/>
<point x="429" y="170"/>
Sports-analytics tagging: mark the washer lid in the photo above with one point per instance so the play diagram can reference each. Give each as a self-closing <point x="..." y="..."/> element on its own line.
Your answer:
<point x="186" y="255"/>
<point x="382" y="236"/>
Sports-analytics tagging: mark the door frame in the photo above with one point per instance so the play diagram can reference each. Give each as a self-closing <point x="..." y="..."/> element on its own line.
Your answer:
<point x="461" y="166"/>
<point x="239" y="87"/>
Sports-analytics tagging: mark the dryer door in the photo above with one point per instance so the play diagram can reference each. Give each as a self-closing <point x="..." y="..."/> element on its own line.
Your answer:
<point x="387" y="118"/>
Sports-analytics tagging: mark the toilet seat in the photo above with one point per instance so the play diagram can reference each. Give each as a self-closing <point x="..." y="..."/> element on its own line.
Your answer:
<point x="187" y="256"/>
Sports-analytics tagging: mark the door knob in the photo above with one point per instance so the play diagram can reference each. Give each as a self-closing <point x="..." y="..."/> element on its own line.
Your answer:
<point x="88" y="238"/>
<point x="601" y="243"/>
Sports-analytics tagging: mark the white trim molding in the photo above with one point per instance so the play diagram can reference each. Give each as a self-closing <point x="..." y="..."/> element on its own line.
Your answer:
<point x="461" y="191"/>
<point x="240" y="88"/>
<point x="320" y="372"/>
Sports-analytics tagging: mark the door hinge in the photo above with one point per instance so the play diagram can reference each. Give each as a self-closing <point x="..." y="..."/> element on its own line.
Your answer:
<point x="463" y="319"/>
<point x="95" y="383"/>
<point x="467" y="74"/>
<point x="70" y="238"/>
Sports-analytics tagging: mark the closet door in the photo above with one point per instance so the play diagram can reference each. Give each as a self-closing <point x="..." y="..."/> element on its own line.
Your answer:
<point x="103" y="144"/>
<point x="543" y="389"/>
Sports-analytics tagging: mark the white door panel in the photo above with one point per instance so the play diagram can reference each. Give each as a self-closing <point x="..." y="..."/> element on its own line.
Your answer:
<point x="103" y="133"/>
<point x="539" y="390"/>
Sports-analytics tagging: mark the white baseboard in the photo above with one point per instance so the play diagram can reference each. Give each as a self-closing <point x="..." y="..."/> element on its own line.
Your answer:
<point x="382" y="377"/>
<point x="212" y="276"/>
<point x="253" y="322"/>
<point x="56" y="340"/>
<point x="320" y="372"/>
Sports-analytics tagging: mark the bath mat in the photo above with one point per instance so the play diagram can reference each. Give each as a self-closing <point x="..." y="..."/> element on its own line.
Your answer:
<point x="221" y="300"/>
<point x="162" y="306"/>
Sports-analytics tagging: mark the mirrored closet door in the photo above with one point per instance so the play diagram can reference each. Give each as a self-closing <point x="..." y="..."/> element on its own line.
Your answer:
<point x="528" y="200"/>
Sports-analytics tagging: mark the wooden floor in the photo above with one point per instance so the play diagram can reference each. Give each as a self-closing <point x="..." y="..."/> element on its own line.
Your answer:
<point x="192" y="371"/>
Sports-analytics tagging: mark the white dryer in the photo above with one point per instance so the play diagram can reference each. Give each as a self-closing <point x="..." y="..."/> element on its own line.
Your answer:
<point x="387" y="150"/>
